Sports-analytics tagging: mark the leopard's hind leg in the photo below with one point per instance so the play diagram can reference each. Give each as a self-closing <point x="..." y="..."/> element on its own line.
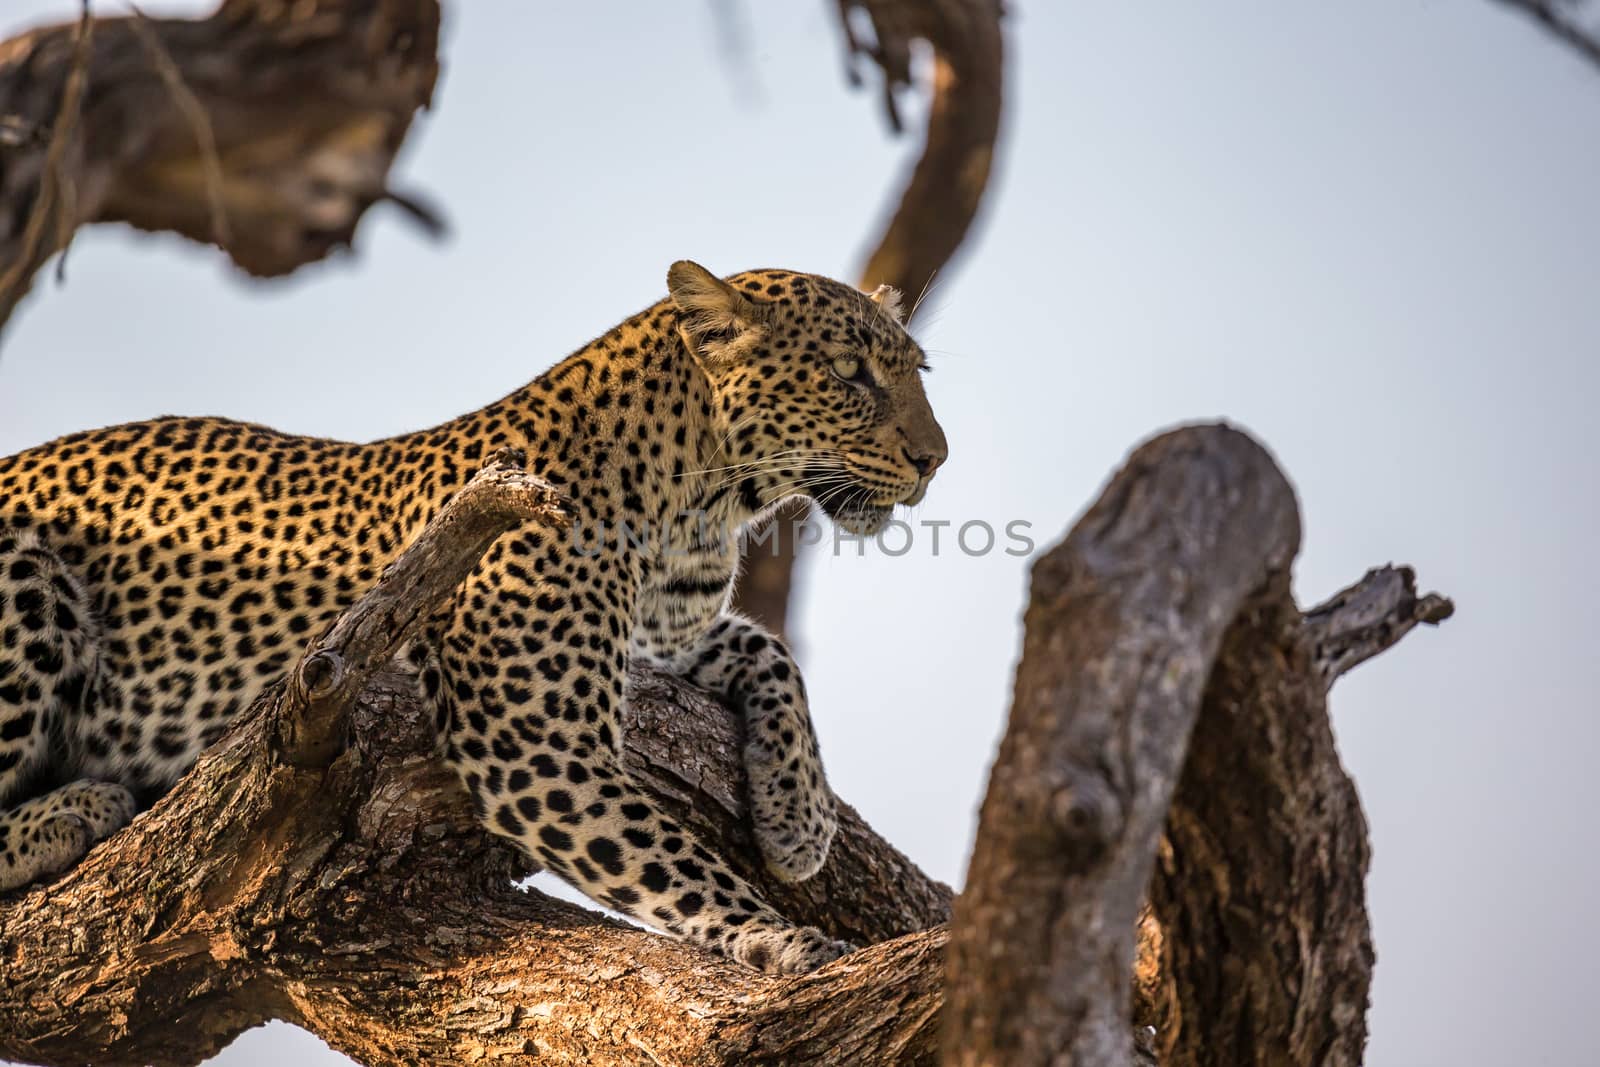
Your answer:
<point x="47" y="663"/>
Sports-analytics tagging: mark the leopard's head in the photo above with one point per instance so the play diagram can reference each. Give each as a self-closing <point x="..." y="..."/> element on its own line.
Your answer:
<point x="818" y="391"/>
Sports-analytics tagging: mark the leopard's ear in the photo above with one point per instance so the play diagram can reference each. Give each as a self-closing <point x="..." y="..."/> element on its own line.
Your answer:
<point x="715" y="314"/>
<point x="887" y="297"/>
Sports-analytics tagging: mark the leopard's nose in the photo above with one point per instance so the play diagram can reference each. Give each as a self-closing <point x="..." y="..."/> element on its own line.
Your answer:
<point x="925" y="462"/>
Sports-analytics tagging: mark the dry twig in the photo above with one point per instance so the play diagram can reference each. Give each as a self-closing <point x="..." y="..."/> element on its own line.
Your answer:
<point x="194" y="112"/>
<point x="55" y="194"/>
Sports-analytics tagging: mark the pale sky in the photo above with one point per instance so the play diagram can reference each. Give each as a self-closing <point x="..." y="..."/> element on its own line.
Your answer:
<point x="1367" y="232"/>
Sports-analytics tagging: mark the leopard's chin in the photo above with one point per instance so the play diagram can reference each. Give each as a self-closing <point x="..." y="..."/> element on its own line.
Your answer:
<point x="862" y="520"/>
<point x="854" y="507"/>
<point x="854" y="513"/>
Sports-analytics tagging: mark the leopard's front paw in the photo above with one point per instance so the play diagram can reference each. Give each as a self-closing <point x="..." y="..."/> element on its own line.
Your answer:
<point x="794" y="821"/>
<point x="787" y="950"/>
<point x="795" y="855"/>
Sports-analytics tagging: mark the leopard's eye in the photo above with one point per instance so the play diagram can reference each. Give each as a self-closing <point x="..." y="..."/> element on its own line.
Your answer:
<point x="847" y="368"/>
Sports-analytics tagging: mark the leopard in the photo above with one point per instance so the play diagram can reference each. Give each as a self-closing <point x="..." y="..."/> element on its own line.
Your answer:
<point x="157" y="577"/>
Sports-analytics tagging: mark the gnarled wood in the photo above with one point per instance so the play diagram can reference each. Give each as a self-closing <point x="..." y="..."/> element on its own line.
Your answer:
<point x="1124" y="622"/>
<point x="1171" y="982"/>
<point x="1362" y="620"/>
<point x="1167" y="678"/>
<point x="946" y="186"/>
<point x="266" y="128"/>
<point x="364" y="903"/>
<point x="1260" y="948"/>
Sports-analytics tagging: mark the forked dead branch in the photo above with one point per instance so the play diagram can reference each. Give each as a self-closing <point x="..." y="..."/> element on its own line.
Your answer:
<point x="346" y="886"/>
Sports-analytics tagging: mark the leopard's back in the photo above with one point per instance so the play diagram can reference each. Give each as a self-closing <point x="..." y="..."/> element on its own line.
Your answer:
<point x="206" y="552"/>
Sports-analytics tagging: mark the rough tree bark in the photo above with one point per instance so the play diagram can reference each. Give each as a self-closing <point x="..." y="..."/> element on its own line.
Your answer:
<point x="1265" y="855"/>
<point x="1124" y="624"/>
<point x="1168" y="680"/>
<point x="266" y="129"/>
<point x="935" y="210"/>
<point x="345" y="887"/>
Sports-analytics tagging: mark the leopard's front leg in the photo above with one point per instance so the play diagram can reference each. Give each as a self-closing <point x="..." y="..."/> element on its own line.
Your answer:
<point x="790" y="803"/>
<point x="529" y="676"/>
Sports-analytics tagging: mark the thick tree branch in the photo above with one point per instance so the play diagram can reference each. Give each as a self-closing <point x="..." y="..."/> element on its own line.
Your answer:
<point x="266" y="128"/>
<point x="1167" y="678"/>
<point x="1265" y="950"/>
<point x="941" y="198"/>
<point x="1255" y="756"/>
<point x="1257" y="948"/>
<point x="1124" y="622"/>
<point x="365" y="904"/>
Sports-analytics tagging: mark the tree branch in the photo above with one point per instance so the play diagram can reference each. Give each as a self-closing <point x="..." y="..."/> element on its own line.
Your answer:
<point x="266" y="128"/>
<point x="1363" y="620"/>
<point x="364" y="904"/>
<point x="336" y="669"/>
<point x="941" y="197"/>
<point x="1124" y="622"/>
<point x="1259" y="874"/>
<point x="1168" y="681"/>
<point x="1257" y="947"/>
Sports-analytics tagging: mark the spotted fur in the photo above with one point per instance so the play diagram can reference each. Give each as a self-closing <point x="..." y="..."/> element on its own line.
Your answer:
<point x="155" y="577"/>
